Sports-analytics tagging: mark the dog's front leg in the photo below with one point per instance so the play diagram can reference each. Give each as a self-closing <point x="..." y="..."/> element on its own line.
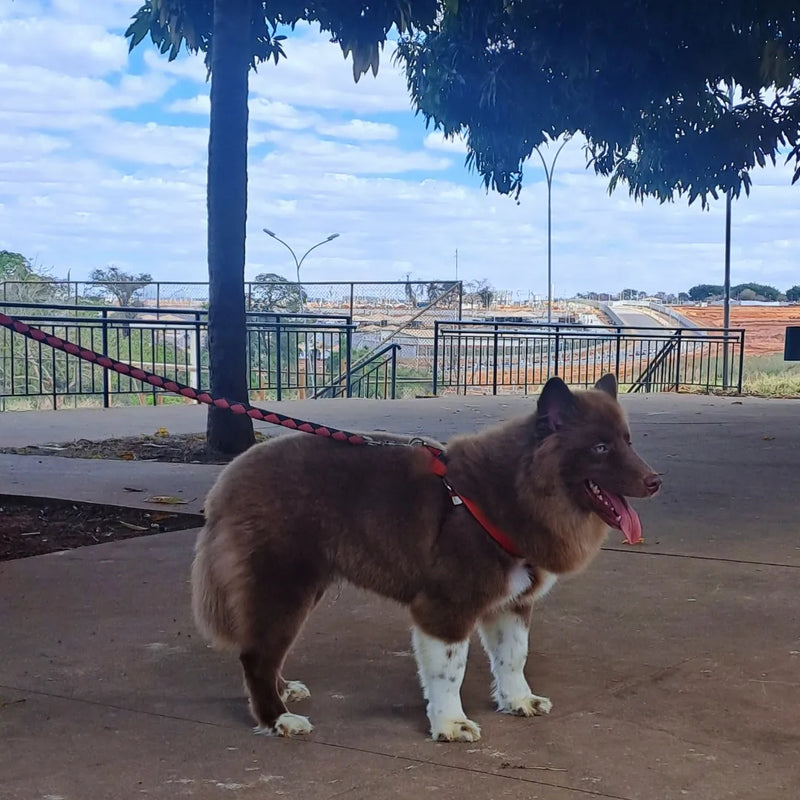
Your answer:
<point x="441" y="671"/>
<point x="504" y="634"/>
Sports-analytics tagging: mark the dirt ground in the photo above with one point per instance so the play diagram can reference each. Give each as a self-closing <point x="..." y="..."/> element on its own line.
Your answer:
<point x="34" y="526"/>
<point x="765" y="326"/>
<point x="189" y="448"/>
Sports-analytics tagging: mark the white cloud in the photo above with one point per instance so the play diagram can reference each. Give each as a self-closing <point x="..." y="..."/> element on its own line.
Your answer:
<point x="96" y="168"/>
<point x="89" y="50"/>
<point x="199" y="104"/>
<point x="437" y="141"/>
<point x="170" y="146"/>
<point x="361" y="130"/>
<point x="306" y="154"/>
<point x="44" y="94"/>
<point x="316" y="75"/>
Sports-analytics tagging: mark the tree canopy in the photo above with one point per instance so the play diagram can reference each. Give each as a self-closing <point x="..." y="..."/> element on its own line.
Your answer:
<point x="271" y="292"/>
<point x="359" y="28"/>
<point x="122" y="285"/>
<point x="645" y="81"/>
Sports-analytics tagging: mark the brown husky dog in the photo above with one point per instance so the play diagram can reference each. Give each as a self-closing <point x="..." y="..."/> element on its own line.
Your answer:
<point x="292" y="515"/>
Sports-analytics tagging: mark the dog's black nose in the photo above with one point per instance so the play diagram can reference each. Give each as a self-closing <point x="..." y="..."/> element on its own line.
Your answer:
<point x="653" y="483"/>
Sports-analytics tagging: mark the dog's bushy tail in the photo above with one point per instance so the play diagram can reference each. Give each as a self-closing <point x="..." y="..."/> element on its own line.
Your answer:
<point x="213" y="591"/>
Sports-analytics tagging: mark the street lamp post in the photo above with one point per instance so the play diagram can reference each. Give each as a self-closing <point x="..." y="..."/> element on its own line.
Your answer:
<point x="548" y="173"/>
<point x="299" y="262"/>
<point x="726" y="301"/>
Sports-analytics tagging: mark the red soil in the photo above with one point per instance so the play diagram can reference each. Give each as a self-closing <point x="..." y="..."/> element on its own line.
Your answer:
<point x="765" y="326"/>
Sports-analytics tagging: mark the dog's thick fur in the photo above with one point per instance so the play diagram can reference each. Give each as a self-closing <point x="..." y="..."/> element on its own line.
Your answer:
<point x="294" y="514"/>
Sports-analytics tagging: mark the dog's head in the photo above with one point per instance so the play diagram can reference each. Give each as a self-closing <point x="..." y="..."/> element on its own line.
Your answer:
<point x="589" y="435"/>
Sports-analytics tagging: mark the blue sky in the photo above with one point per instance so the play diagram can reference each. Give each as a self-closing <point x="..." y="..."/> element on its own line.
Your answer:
<point x="103" y="159"/>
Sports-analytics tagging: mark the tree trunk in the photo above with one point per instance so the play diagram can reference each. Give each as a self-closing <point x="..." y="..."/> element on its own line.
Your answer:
<point x="227" y="216"/>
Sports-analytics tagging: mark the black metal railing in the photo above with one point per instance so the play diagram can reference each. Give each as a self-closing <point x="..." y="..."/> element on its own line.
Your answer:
<point x="481" y="357"/>
<point x="290" y="355"/>
<point x="373" y="377"/>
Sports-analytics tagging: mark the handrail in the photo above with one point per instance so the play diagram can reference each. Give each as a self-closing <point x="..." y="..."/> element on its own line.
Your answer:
<point x="347" y="376"/>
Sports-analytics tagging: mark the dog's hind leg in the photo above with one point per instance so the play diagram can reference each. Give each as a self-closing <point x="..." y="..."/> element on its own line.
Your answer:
<point x="441" y="672"/>
<point x="504" y="635"/>
<point x="279" y="623"/>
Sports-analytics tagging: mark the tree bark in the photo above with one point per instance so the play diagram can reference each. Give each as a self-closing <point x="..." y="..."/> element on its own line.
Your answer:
<point x="227" y="217"/>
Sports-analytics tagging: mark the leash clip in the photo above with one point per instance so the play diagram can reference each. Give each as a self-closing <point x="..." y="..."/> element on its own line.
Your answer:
<point x="454" y="498"/>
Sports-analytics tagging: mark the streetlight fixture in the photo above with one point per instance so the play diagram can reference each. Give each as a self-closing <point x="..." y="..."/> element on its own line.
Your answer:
<point x="299" y="262"/>
<point x="548" y="173"/>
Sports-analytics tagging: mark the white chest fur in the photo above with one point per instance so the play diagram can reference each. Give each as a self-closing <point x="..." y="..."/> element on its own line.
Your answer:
<point x="520" y="580"/>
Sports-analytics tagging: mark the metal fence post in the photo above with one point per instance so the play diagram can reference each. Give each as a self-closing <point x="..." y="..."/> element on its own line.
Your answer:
<point x="741" y="362"/>
<point x="394" y="373"/>
<point x="494" y="370"/>
<point x="352" y="287"/>
<point x="278" y="360"/>
<point x="557" y="352"/>
<point x="678" y="362"/>
<point x="198" y="354"/>
<point x="104" y="340"/>
<point x="348" y="380"/>
<point x="436" y="356"/>
<point x="619" y="347"/>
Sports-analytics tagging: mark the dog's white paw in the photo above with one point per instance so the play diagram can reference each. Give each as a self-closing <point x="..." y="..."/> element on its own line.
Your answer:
<point x="530" y="706"/>
<point x="456" y="730"/>
<point x="288" y="725"/>
<point x="294" y="691"/>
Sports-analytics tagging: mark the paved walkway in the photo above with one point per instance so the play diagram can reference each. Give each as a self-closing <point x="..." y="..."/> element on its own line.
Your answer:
<point x="674" y="667"/>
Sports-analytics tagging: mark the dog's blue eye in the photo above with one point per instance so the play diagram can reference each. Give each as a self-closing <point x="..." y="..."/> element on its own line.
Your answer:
<point x="600" y="449"/>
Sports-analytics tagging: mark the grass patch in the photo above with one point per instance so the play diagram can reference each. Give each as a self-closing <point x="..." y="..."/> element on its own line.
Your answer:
<point x="771" y="376"/>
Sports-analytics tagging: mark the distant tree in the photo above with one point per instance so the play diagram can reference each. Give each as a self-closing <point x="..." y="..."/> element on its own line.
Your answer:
<point x="760" y="291"/>
<point x="14" y="266"/>
<point x="123" y="286"/>
<point x="705" y="291"/>
<point x="793" y="294"/>
<point x="480" y="293"/>
<point x="683" y="297"/>
<point x="443" y="291"/>
<point x="26" y="283"/>
<point x="411" y="295"/>
<point x="271" y="292"/>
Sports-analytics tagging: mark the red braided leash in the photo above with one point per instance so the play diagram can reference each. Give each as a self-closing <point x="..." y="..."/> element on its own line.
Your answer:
<point x="235" y="407"/>
<point x="438" y="465"/>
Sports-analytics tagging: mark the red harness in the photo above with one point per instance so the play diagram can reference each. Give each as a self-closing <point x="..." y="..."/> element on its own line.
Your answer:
<point x="439" y="468"/>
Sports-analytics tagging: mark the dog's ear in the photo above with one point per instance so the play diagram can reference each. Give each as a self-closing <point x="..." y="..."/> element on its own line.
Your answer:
<point x="607" y="384"/>
<point x="556" y="404"/>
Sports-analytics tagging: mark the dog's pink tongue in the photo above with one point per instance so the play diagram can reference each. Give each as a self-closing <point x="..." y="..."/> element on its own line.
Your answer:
<point x="630" y="524"/>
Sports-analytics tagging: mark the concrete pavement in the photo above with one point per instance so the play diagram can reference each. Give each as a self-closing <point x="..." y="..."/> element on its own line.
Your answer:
<point x="674" y="667"/>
